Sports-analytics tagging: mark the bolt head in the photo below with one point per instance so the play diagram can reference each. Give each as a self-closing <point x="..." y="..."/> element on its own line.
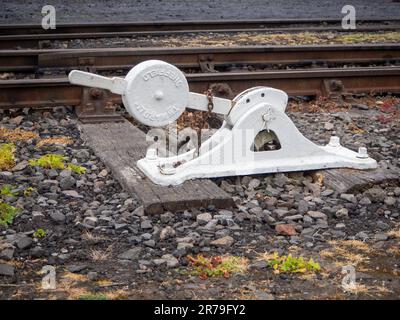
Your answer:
<point x="159" y="95"/>
<point x="362" y="153"/>
<point x="151" y="154"/>
<point x="334" y="141"/>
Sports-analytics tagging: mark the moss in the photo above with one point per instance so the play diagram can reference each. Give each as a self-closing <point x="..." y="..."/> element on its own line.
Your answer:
<point x="7" y="160"/>
<point x="39" y="233"/>
<point x="76" y="169"/>
<point x="7" y="214"/>
<point x="56" y="161"/>
<point x="7" y="191"/>
<point x="49" y="161"/>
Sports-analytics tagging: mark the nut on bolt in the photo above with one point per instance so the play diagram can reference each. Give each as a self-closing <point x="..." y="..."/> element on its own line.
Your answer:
<point x="362" y="153"/>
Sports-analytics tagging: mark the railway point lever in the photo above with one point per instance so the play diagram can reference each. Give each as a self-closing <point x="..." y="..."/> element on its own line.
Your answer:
<point x="256" y="136"/>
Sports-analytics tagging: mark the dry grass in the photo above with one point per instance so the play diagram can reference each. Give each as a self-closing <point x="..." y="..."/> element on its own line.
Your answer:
<point x="351" y="252"/>
<point x="90" y="237"/>
<point x="259" y="38"/>
<point x="394" y="234"/>
<point x="100" y="255"/>
<point x="17" y="135"/>
<point x="64" y="141"/>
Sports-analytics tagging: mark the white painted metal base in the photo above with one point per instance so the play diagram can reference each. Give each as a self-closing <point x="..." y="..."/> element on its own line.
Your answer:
<point x="228" y="151"/>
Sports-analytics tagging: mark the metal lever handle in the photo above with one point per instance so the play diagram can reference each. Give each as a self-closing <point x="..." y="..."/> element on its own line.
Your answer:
<point x="115" y="84"/>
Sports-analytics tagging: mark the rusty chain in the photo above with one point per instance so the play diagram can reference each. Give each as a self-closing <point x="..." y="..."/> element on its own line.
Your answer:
<point x="210" y="108"/>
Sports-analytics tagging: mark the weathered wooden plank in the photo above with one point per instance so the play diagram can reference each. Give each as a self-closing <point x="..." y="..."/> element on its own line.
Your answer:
<point x="120" y="145"/>
<point x="351" y="180"/>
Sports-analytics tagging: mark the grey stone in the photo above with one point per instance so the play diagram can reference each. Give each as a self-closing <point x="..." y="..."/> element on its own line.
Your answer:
<point x="348" y="197"/>
<point x="390" y="201"/>
<point x="375" y="194"/>
<point x="20" y="166"/>
<point x="65" y="173"/>
<point x="166" y="217"/>
<point x="93" y="276"/>
<point x="302" y="206"/>
<point x="67" y="183"/>
<point x="342" y="213"/>
<point x="184" y="245"/>
<point x="365" y="201"/>
<point x="260" y="264"/>
<point x="37" y="252"/>
<point x="211" y="224"/>
<point x="382" y="225"/>
<point x="72" y="194"/>
<point x="308" y="219"/>
<point x="6" y="270"/>
<point x="57" y="216"/>
<point x="120" y="226"/>
<point x="327" y="192"/>
<point x="293" y="217"/>
<point x="253" y="184"/>
<point x="203" y="218"/>
<point x="82" y="154"/>
<point x="280" y="180"/>
<point x="91" y="221"/>
<point x="171" y="260"/>
<point x="131" y="254"/>
<point x="226" y="241"/>
<point x="380" y="237"/>
<point x="146" y="224"/>
<point x="167" y="232"/>
<point x="281" y="212"/>
<point x="75" y="268"/>
<point x="24" y="242"/>
<point x="317" y="215"/>
<point x="7" y="253"/>
<point x="328" y="125"/>
<point x="227" y="187"/>
<point x="362" y="235"/>
<point x="150" y="243"/>
<point x="139" y="211"/>
<point x="360" y="106"/>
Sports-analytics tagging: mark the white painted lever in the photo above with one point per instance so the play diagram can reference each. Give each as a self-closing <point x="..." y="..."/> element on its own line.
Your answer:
<point x="199" y="101"/>
<point x="115" y="84"/>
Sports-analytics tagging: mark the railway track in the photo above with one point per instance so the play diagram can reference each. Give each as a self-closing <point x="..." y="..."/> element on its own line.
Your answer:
<point x="202" y="59"/>
<point x="56" y="92"/>
<point x="34" y="36"/>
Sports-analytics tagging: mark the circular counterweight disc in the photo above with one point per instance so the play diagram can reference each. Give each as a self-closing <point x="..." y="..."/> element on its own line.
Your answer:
<point x="157" y="93"/>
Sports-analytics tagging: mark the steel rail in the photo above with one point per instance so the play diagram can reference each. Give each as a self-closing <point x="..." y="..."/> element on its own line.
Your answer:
<point x="25" y="29"/>
<point x="198" y="58"/>
<point x="56" y="92"/>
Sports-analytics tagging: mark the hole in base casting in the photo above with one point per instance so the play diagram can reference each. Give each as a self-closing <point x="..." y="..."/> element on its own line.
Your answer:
<point x="265" y="140"/>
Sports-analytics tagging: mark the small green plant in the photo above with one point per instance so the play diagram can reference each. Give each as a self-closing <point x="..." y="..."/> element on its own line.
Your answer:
<point x="7" y="191"/>
<point x="292" y="264"/>
<point x="56" y="161"/>
<point x="76" y="169"/>
<point x="39" y="233"/>
<point x="49" y="161"/>
<point x="7" y="160"/>
<point x="216" y="266"/>
<point x="97" y="296"/>
<point x="7" y="214"/>
<point x="28" y="191"/>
